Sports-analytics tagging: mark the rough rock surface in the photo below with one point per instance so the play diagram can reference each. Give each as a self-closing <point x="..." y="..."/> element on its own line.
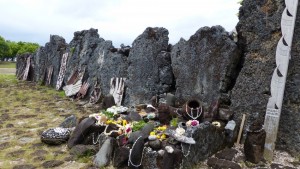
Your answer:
<point x="205" y="66"/>
<point x="88" y="50"/>
<point x="21" y="66"/>
<point x="105" y="153"/>
<point x="81" y="150"/>
<point x="220" y="163"/>
<point x="40" y="67"/>
<point x="209" y="139"/>
<point x="120" y="158"/>
<point x="147" y="65"/>
<point x="81" y="50"/>
<point x="258" y="35"/>
<point x="51" y="56"/>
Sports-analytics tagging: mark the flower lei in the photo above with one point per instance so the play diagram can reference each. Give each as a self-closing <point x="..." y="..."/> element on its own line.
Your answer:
<point x="159" y="132"/>
<point x="117" y="109"/>
<point x="192" y="123"/>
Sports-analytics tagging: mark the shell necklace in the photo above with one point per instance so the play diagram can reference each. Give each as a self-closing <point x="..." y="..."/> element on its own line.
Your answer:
<point x="191" y="114"/>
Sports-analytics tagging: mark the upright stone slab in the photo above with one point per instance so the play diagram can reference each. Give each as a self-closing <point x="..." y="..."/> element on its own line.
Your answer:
<point x="283" y="50"/>
<point x="111" y="64"/>
<point x="205" y="66"/>
<point x="81" y="52"/>
<point x="258" y="34"/>
<point x="39" y="61"/>
<point x="89" y="50"/>
<point x="144" y="72"/>
<point x="209" y="140"/>
<point x="22" y="64"/>
<point x="50" y="55"/>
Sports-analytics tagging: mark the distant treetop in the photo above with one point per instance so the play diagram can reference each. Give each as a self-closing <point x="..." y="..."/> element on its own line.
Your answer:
<point x="10" y="49"/>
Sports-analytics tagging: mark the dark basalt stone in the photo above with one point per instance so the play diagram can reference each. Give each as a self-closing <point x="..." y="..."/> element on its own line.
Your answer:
<point x="227" y="154"/>
<point x="80" y="132"/>
<point x="69" y="122"/>
<point x="205" y="66"/>
<point x="219" y="163"/>
<point x="52" y="163"/>
<point x="255" y="142"/>
<point x="155" y="144"/>
<point x="149" y="71"/>
<point x="81" y="150"/>
<point x="47" y="56"/>
<point x="120" y="158"/>
<point x="209" y="140"/>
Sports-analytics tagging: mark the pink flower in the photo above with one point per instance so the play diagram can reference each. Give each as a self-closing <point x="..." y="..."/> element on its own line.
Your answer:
<point x="128" y="130"/>
<point x="195" y="123"/>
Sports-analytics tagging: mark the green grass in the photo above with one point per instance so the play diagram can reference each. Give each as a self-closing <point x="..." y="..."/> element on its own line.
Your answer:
<point x="7" y="64"/>
<point x="6" y="79"/>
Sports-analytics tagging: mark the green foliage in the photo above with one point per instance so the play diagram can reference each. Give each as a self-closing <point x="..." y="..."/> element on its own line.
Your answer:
<point x="72" y="50"/>
<point x="4" y="48"/>
<point x="108" y="114"/>
<point x="138" y="125"/>
<point x="174" y="122"/>
<point x="27" y="47"/>
<point x="10" y="49"/>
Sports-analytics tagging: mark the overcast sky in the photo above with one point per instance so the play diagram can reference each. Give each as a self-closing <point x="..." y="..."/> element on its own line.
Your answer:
<point x="118" y="20"/>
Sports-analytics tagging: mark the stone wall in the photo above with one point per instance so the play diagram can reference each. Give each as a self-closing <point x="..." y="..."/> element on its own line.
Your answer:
<point x="208" y="66"/>
<point x="258" y="35"/>
<point x="204" y="66"/>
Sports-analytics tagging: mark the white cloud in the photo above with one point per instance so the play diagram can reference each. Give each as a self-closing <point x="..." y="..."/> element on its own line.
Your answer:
<point x="118" y="20"/>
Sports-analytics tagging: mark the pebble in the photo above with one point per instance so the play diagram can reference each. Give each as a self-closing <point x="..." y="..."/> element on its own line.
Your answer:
<point x="153" y="137"/>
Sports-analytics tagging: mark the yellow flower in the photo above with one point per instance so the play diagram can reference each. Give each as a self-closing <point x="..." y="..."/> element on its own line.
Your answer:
<point x="108" y="121"/>
<point x="152" y="133"/>
<point x="124" y="123"/>
<point x="162" y="128"/>
<point x="163" y="136"/>
<point x="158" y="136"/>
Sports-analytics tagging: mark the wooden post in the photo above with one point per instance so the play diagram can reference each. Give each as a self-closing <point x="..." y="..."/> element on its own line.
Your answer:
<point x="283" y="50"/>
<point x="241" y="129"/>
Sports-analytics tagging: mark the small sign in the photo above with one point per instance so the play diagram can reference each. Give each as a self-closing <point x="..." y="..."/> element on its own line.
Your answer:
<point x="273" y="112"/>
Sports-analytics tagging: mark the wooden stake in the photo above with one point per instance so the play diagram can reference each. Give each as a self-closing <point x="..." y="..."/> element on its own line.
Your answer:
<point x="241" y="129"/>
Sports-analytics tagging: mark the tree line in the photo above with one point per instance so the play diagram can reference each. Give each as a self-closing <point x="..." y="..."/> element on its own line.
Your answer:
<point x="10" y="49"/>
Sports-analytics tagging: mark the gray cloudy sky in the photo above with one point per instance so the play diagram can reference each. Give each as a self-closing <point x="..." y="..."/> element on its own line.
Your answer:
<point x="118" y="20"/>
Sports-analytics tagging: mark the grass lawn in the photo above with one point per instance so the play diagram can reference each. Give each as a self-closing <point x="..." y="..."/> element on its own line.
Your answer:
<point x="26" y="110"/>
<point x="7" y="64"/>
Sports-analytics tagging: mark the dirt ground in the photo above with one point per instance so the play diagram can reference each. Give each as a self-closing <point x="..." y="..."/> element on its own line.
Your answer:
<point x="10" y="71"/>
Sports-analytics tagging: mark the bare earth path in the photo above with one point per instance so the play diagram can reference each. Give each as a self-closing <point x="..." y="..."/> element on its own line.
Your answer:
<point x="26" y="110"/>
<point x="7" y="71"/>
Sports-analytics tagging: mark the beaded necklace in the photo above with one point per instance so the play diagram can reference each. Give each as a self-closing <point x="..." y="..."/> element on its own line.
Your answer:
<point x="93" y="137"/>
<point x="129" y="160"/>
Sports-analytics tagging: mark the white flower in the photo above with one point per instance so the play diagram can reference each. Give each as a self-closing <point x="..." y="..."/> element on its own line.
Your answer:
<point x="216" y="123"/>
<point x="180" y="131"/>
<point x="189" y="123"/>
<point x="117" y="109"/>
<point x="193" y="123"/>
